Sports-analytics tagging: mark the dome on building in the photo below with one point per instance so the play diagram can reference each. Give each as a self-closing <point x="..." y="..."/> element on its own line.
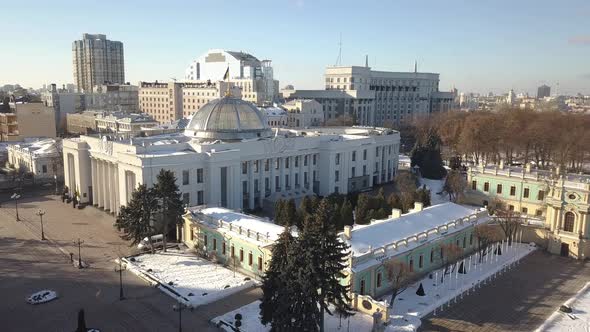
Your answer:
<point x="228" y="118"/>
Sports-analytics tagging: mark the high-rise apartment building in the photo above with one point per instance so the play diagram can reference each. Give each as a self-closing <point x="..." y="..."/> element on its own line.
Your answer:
<point x="543" y="91"/>
<point x="97" y="61"/>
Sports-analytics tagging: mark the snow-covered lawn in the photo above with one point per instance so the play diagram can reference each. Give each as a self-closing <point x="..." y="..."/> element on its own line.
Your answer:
<point x="577" y="320"/>
<point x="251" y="320"/>
<point x="196" y="281"/>
<point x="408" y="307"/>
<point x="435" y="187"/>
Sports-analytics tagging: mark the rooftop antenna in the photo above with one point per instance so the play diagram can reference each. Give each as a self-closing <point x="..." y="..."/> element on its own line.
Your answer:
<point x="415" y="66"/>
<point x="367" y="61"/>
<point x="339" y="59"/>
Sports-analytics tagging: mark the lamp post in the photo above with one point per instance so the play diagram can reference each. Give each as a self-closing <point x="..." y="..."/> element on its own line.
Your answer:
<point x="41" y="213"/>
<point x="79" y="243"/>
<point x="120" y="270"/>
<point x="16" y="196"/>
<point x="55" y="178"/>
<point x="180" y="307"/>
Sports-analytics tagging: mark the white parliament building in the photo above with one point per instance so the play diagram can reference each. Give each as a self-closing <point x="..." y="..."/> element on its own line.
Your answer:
<point x="228" y="156"/>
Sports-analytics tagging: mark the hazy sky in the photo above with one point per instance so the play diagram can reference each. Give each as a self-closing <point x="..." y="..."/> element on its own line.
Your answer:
<point x="475" y="45"/>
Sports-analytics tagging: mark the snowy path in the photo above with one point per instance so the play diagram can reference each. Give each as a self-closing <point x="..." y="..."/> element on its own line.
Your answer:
<point x="408" y="307"/>
<point x="577" y="320"/>
<point x="196" y="281"/>
<point x="435" y="187"/>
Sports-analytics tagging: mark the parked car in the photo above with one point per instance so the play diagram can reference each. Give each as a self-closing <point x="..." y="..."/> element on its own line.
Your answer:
<point x="156" y="241"/>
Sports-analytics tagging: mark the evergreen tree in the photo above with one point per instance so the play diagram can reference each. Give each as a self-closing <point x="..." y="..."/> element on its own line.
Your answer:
<point x="305" y="208"/>
<point x="171" y="208"/>
<point x="362" y="210"/>
<point x="277" y="297"/>
<point x="322" y="259"/>
<point x="136" y="218"/>
<point x="291" y="216"/>
<point x="346" y="213"/>
<point x="280" y="212"/>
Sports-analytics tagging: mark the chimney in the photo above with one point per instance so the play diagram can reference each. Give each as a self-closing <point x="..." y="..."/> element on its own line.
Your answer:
<point x="395" y="213"/>
<point x="527" y="167"/>
<point x="418" y="206"/>
<point x="501" y="163"/>
<point x="348" y="232"/>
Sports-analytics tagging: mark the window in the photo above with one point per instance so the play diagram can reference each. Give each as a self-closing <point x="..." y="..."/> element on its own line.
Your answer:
<point x="526" y="193"/>
<point x="442" y="252"/>
<point x="256" y="166"/>
<point x="365" y="154"/>
<point x="379" y="279"/>
<point x="44" y="168"/>
<point x="199" y="175"/>
<point x="473" y="185"/>
<point x="266" y="165"/>
<point x="511" y="207"/>
<point x="314" y="159"/>
<point x="244" y="187"/>
<point x="192" y="234"/>
<point x="223" y="248"/>
<point x="200" y="199"/>
<point x="353" y="155"/>
<point x="499" y="189"/>
<point x="336" y="176"/>
<point x="353" y="172"/>
<point x="277" y="163"/>
<point x="286" y="180"/>
<point x="485" y="203"/>
<point x="296" y="161"/>
<point x="244" y="167"/>
<point x="259" y="263"/>
<point x="525" y="210"/>
<point x="538" y="213"/>
<point x="205" y="239"/>
<point x="411" y="264"/>
<point x="541" y="195"/>
<point x="241" y="254"/>
<point x="232" y="251"/>
<point x="421" y="261"/>
<point x="214" y="244"/>
<point x="471" y="239"/>
<point x="569" y="220"/>
<point x="512" y="190"/>
<point x="464" y="242"/>
<point x="364" y="169"/>
<point x="305" y="160"/>
<point x="287" y="162"/>
<point x="185" y="177"/>
<point x="338" y="159"/>
<point x="431" y="255"/>
<point x="336" y="190"/>
<point x="250" y="258"/>
<point x="486" y="186"/>
<point x="277" y="183"/>
<point x="362" y="290"/>
<point x="185" y="198"/>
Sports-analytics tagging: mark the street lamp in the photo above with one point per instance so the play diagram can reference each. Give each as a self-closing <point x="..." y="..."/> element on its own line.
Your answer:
<point x="180" y="307"/>
<point x="79" y="243"/>
<point x="120" y="270"/>
<point x="41" y="213"/>
<point x="55" y="178"/>
<point x="16" y="196"/>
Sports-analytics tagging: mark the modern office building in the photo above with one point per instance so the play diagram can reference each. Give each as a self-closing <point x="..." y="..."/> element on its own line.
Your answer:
<point x="254" y="77"/>
<point x="378" y="97"/>
<point x="228" y="156"/>
<point x="560" y="201"/>
<point x="97" y="61"/>
<point x="543" y="91"/>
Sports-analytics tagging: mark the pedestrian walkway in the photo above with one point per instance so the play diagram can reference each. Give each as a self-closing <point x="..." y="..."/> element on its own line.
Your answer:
<point x="517" y="301"/>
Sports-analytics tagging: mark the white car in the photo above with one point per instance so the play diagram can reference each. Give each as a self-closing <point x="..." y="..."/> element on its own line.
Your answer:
<point x="42" y="296"/>
<point x="156" y="241"/>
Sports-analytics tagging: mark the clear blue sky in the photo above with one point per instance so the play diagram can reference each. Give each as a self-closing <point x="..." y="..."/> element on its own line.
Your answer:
<point x="475" y="45"/>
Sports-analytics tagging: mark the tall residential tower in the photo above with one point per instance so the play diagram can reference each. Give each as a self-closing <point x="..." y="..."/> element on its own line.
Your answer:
<point x="97" y="61"/>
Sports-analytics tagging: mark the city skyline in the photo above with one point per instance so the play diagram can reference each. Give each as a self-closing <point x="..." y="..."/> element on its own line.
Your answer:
<point x="513" y="46"/>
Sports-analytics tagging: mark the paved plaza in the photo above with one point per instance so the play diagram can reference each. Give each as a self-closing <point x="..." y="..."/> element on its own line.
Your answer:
<point x="28" y="264"/>
<point x="519" y="300"/>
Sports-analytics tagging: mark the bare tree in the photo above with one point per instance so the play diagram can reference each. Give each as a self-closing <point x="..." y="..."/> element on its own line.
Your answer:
<point x="486" y="236"/>
<point x="508" y="219"/>
<point x="455" y="185"/>
<point x="449" y="254"/>
<point x="399" y="275"/>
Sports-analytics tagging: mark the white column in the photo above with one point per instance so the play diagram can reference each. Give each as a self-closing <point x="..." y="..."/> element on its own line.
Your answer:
<point x="111" y="170"/>
<point x="99" y="183"/>
<point x="106" y="186"/>
<point x="94" y="181"/>
<point x="117" y="190"/>
<point x="251" y="184"/>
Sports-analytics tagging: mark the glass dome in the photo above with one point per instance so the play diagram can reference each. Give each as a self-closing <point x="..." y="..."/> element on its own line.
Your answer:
<point x="228" y="118"/>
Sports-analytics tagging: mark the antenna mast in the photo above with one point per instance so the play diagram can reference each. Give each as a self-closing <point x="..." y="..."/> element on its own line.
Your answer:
<point x="339" y="59"/>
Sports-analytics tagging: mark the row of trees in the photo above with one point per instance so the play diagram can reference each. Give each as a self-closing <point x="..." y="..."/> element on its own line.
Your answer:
<point x="359" y="208"/>
<point x="151" y="210"/>
<point x="303" y="278"/>
<point x="546" y="138"/>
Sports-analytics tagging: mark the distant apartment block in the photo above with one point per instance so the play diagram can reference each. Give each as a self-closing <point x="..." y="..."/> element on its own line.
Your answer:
<point x="96" y="61"/>
<point x="27" y="120"/>
<point x="543" y="91"/>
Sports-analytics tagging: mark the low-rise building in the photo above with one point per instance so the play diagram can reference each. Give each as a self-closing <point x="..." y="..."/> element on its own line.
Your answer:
<point x="41" y="158"/>
<point x="83" y="123"/>
<point x="304" y="113"/>
<point x="124" y="123"/>
<point x="276" y="116"/>
<point x="27" y="120"/>
<point x="243" y="242"/>
<point x="561" y="201"/>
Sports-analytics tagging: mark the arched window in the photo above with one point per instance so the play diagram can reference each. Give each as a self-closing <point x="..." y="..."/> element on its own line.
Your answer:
<point x="568" y="222"/>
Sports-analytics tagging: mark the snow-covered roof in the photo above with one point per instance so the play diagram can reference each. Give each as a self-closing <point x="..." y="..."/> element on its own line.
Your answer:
<point x="412" y="229"/>
<point x="40" y="148"/>
<point x="249" y="228"/>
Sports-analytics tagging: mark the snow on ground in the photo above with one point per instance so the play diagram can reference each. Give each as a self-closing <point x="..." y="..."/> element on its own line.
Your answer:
<point x="251" y="320"/>
<point x="577" y="320"/>
<point x="206" y="281"/>
<point x="435" y="187"/>
<point x="408" y="307"/>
